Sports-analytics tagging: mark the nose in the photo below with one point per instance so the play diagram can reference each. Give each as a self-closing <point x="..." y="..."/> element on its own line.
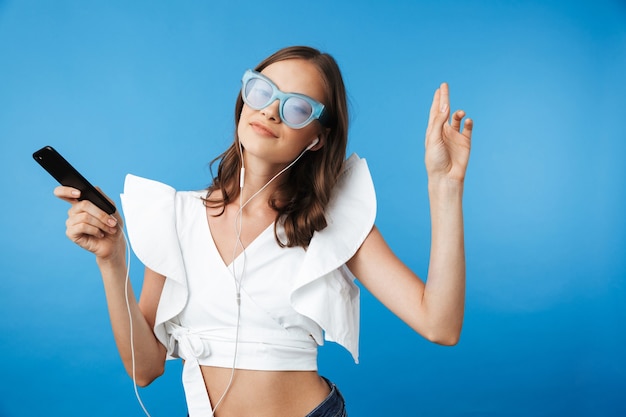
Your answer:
<point x="272" y="111"/>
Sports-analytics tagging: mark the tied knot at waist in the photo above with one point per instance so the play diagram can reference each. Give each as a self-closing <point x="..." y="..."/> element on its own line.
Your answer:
<point x="216" y="347"/>
<point x="189" y="345"/>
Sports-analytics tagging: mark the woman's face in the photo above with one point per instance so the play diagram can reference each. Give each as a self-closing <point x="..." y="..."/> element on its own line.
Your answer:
<point x="263" y="134"/>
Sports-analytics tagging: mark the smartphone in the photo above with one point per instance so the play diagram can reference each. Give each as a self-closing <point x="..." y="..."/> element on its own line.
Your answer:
<point x="66" y="174"/>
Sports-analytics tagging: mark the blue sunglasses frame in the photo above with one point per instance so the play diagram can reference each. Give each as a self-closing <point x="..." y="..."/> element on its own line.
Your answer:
<point x="318" y="109"/>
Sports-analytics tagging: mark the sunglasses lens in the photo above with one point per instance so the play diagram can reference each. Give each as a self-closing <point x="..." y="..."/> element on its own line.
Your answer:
<point x="296" y="111"/>
<point x="257" y="93"/>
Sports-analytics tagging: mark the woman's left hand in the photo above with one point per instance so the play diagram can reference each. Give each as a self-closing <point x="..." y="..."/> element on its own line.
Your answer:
<point x="447" y="146"/>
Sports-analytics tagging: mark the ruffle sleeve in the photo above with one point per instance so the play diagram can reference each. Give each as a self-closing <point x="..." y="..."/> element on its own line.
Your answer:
<point x="324" y="288"/>
<point x="151" y="221"/>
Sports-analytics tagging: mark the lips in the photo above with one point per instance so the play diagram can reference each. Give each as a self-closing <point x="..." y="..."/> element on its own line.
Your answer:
<point x="263" y="130"/>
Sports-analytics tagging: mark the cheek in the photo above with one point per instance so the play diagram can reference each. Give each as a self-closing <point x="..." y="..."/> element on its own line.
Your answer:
<point x="243" y="120"/>
<point x="245" y="112"/>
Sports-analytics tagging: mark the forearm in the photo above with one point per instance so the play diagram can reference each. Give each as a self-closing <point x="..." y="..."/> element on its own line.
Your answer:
<point x="444" y="294"/>
<point x="148" y="351"/>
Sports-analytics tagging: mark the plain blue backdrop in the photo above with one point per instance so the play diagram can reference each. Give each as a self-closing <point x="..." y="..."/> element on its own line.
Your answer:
<point x="148" y="87"/>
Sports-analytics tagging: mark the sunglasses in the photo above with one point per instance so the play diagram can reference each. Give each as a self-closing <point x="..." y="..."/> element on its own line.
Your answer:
<point x="296" y="110"/>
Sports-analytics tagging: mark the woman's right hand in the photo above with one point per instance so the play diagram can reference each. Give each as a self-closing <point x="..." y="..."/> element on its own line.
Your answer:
<point x="90" y="227"/>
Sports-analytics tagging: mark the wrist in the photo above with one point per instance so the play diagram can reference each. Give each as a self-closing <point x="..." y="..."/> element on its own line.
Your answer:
<point x="113" y="261"/>
<point x="445" y="186"/>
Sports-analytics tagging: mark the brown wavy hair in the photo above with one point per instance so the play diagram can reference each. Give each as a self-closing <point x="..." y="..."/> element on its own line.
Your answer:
<point x="300" y="201"/>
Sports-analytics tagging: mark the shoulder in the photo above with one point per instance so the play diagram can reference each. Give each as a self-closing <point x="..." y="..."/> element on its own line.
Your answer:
<point x="134" y="184"/>
<point x="350" y="214"/>
<point x="151" y="212"/>
<point x="154" y="195"/>
<point x="354" y="196"/>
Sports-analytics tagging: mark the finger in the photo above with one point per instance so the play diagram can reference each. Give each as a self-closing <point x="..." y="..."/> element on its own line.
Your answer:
<point x="440" y="105"/>
<point x="468" y="126"/>
<point x="87" y="212"/>
<point x="433" y="110"/>
<point x="77" y="231"/>
<point x="68" y="194"/>
<point x="85" y="223"/>
<point x="115" y="215"/>
<point x="457" y="116"/>
<point x="439" y="112"/>
<point x="444" y="99"/>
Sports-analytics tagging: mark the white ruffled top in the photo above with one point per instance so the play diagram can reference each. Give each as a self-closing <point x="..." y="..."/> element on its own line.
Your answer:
<point x="321" y="288"/>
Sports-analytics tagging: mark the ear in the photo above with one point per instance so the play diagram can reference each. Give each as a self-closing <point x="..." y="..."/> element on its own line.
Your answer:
<point x="322" y="136"/>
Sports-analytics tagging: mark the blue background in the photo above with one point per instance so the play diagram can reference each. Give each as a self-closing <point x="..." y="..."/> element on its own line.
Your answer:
<point x="148" y="87"/>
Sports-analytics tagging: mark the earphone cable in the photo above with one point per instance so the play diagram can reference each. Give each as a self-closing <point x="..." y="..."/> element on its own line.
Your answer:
<point x="237" y="282"/>
<point x="239" y="243"/>
<point x="130" y="322"/>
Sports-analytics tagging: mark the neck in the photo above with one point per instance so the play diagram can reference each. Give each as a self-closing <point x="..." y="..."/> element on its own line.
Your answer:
<point x="258" y="188"/>
<point x="262" y="179"/>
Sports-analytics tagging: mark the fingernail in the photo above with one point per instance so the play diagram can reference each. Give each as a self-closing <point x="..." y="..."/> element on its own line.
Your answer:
<point x="76" y="193"/>
<point x="112" y="221"/>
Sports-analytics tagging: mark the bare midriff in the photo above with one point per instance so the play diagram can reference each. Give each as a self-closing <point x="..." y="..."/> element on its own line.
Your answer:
<point x="264" y="393"/>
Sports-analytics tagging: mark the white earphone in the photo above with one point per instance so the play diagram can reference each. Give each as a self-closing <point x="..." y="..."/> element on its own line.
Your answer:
<point x="315" y="142"/>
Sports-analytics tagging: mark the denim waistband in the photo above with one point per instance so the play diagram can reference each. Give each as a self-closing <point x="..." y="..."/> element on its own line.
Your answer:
<point x="332" y="406"/>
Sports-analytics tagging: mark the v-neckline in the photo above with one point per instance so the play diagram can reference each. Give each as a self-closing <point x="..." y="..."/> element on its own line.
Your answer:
<point x="247" y="249"/>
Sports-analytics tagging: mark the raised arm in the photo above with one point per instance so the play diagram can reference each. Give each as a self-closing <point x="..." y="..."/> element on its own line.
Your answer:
<point x="434" y="309"/>
<point x="94" y="230"/>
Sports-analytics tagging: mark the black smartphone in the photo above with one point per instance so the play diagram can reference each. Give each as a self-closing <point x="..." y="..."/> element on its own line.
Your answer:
<point x="66" y="174"/>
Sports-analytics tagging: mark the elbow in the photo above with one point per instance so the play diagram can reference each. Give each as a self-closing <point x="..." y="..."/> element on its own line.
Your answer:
<point x="445" y="338"/>
<point x="143" y="379"/>
<point x="444" y="332"/>
<point x="146" y="368"/>
<point x="451" y="340"/>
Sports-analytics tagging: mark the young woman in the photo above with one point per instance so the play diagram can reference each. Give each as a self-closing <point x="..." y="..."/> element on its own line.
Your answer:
<point x="244" y="280"/>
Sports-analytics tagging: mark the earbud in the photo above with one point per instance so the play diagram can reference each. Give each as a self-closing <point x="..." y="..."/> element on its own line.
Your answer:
<point x="315" y="142"/>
